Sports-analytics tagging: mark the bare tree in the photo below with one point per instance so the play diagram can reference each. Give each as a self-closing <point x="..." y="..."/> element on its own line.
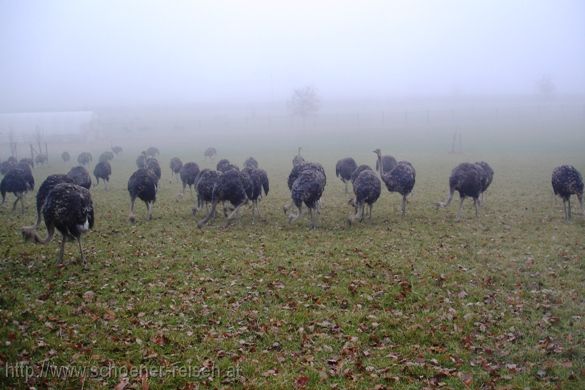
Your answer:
<point x="304" y="103"/>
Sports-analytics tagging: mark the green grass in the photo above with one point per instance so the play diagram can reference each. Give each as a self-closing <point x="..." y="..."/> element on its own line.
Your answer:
<point x="400" y="302"/>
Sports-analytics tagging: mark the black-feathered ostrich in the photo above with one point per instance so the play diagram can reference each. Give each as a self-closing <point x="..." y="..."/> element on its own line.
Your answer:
<point x="103" y="170"/>
<point x="7" y="165"/>
<point x="259" y="183"/>
<point x="487" y="176"/>
<point x="152" y="151"/>
<point x="27" y="161"/>
<point x="295" y="173"/>
<point x="465" y="179"/>
<point x="204" y="185"/>
<point x="117" y="149"/>
<point x="366" y="188"/>
<point x="46" y="186"/>
<point x="298" y="159"/>
<point x="251" y="163"/>
<point x="388" y="163"/>
<point x="228" y="188"/>
<point x="176" y="165"/>
<point x="154" y="166"/>
<point x="567" y="181"/>
<point x="65" y="156"/>
<point x="225" y="165"/>
<point x="344" y="168"/>
<point x="307" y="189"/>
<point x="68" y="208"/>
<point x="84" y="158"/>
<point x="80" y="176"/>
<point x="189" y="173"/>
<point x="143" y="184"/>
<point x="17" y="181"/>
<point x="399" y="179"/>
<point x="106" y="156"/>
<point x="210" y="153"/>
<point x="359" y="170"/>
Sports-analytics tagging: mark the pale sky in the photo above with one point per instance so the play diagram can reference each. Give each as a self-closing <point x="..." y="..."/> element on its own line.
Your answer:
<point x="68" y="54"/>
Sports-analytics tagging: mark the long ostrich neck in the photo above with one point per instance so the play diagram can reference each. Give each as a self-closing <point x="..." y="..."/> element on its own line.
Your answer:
<point x="380" y="165"/>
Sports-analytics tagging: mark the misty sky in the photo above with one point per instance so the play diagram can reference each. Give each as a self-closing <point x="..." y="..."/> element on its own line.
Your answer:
<point x="69" y="54"/>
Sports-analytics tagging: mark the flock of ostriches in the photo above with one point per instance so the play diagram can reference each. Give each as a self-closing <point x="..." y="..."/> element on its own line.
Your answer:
<point x="64" y="201"/>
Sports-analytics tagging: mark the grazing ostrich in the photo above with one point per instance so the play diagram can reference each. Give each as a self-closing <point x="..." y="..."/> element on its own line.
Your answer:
<point x="103" y="170"/>
<point x="18" y="181"/>
<point x="176" y="165"/>
<point x="80" y="176"/>
<point x="487" y="175"/>
<point x="46" y="186"/>
<point x="152" y="152"/>
<point x="307" y="189"/>
<point x="117" y="150"/>
<point x="399" y="179"/>
<point x="189" y="173"/>
<point x="69" y="208"/>
<point x="388" y="163"/>
<point x="295" y="173"/>
<point x="204" y="185"/>
<point x="567" y="181"/>
<point x="259" y="182"/>
<point x="66" y="156"/>
<point x="228" y="188"/>
<point x="344" y="168"/>
<point x="359" y="170"/>
<point x="366" y="188"/>
<point x="106" y="156"/>
<point x="84" y="158"/>
<point x="143" y="184"/>
<point x="298" y="159"/>
<point x="465" y="179"/>
<point x="210" y="153"/>
<point x="251" y="163"/>
<point x="224" y="165"/>
<point x="41" y="159"/>
<point x="7" y="165"/>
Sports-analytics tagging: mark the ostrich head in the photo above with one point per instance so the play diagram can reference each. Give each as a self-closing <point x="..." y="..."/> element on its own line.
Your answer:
<point x="299" y="151"/>
<point x="378" y="152"/>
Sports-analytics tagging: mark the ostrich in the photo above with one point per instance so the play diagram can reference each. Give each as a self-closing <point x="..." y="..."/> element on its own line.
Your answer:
<point x="143" y="184"/>
<point x="25" y="166"/>
<point x="65" y="156"/>
<point x="344" y="168"/>
<point x="7" y="165"/>
<point x="41" y="159"/>
<point x="18" y="181"/>
<point x="359" y="170"/>
<point x="27" y="161"/>
<point x="69" y="208"/>
<point x="210" y="153"/>
<point x="84" y="158"/>
<point x="465" y="179"/>
<point x="388" y="163"/>
<point x="152" y="151"/>
<point x="298" y="159"/>
<point x="366" y="188"/>
<point x="188" y="174"/>
<point x="80" y="176"/>
<point x="103" y="170"/>
<point x="204" y="187"/>
<point x="399" y="179"/>
<point x="117" y="150"/>
<point x="141" y="160"/>
<point x="228" y="188"/>
<point x="176" y="165"/>
<point x="295" y="173"/>
<point x="153" y="165"/>
<point x="224" y="165"/>
<point x="567" y="181"/>
<point x="487" y="175"/>
<point x="259" y="182"/>
<point x="106" y="156"/>
<point x="307" y="189"/>
<point x="251" y="163"/>
<point x="46" y="186"/>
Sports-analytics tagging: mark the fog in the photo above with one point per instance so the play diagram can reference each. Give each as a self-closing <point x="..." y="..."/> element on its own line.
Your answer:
<point x="72" y="55"/>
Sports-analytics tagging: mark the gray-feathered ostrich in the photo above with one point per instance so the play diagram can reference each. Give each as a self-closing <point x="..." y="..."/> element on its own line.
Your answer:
<point x="27" y="161"/>
<point x="205" y="182"/>
<point x="298" y="159"/>
<point x="176" y="165"/>
<point x="189" y="173"/>
<point x="41" y="159"/>
<point x="68" y="208"/>
<point x="143" y="184"/>
<point x="567" y="181"/>
<point x="103" y="170"/>
<point x="117" y="149"/>
<point x="18" y="181"/>
<point x="359" y="170"/>
<point x="487" y="175"/>
<point x="366" y="188"/>
<point x="225" y="165"/>
<point x="106" y="156"/>
<point x="80" y="176"/>
<point x="388" y="163"/>
<point x="344" y="168"/>
<point x="84" y="158"/>
<point x="154" y="166"/>
<point x="6" y="166"/>
<point x="308" y="183"/>
<point x="399" y="179"/>
<point x="210" y="153"/>
<point x="46" y="186"/>
<point x="251" y="163"/>
<point x="141" y="160"/>
<point x="465" y="179"/>
<point x="65" y="156"/>
<point x="152" y="151"/>
<point x="295" y="173"/>
<point x="259" y="183"/>
<point x="228" y="188"/>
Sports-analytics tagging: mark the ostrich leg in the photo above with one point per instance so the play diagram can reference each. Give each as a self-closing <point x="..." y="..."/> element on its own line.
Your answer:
<point x="403" y="205"/>
<point x="15" y="202"/>
<point x="449" y="199"/>
<point x="565" y="209"/>
<point x="569" y="209"/>
<point x="580" y="197"/>
<point x="107" y="182"/>
<point x="293" y="217"/>
<point x="476" y="204"/>
<point x="234" y="213"/>
<point x="345" y="186"/>
<point x="61" y="251"/>
<point x="132" y="217"/>
<point x="211" y="214"/>
<point x="460" y="209"/>
<point x="312" y="215"/>
<point x="83" y="259"/>
<point x="149" y="211"/>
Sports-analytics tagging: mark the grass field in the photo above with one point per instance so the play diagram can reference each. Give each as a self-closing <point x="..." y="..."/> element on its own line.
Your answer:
<point x="393" y="302"/>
